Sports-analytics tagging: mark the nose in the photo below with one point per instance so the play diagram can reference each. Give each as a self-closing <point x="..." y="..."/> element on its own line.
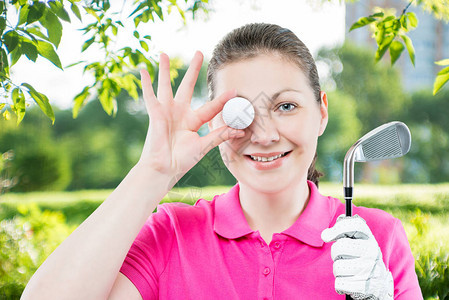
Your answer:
<point x="263" y="129"/>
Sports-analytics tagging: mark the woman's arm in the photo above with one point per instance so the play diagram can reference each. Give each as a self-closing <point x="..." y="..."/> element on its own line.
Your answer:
<point x="86" y="264"/>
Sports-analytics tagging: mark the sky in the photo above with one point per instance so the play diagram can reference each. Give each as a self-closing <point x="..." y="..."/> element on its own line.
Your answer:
<point x="316" y="24"/>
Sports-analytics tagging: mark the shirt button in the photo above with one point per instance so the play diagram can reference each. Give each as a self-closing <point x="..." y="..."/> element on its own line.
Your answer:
<point x="266" y="271"/>
<point x="277" y="245"/>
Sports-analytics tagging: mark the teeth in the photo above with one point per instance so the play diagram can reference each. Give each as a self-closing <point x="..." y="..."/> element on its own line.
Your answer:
<point x="257" y="158"/>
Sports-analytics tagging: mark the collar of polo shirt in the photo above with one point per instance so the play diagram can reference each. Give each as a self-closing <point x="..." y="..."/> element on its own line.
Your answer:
<point x="230" y="222"/>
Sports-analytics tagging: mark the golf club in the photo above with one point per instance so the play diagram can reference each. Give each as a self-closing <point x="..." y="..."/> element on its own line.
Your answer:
<point x="387" y="141"/>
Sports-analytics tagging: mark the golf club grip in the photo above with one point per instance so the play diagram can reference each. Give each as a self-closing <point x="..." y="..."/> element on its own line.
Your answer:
<point x="348" y="200"/>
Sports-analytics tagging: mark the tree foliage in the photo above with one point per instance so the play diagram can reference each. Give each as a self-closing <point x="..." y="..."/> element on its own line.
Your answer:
<point x="375" y="87"/>
<point x="390" y="32"/>
<point x="38" y="31"/>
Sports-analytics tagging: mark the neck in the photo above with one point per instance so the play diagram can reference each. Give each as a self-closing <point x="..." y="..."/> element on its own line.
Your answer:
<point x="276" y="211"/>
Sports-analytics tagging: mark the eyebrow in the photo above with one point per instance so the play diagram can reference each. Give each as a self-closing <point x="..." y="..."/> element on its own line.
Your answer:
<point x="275" y="95"/>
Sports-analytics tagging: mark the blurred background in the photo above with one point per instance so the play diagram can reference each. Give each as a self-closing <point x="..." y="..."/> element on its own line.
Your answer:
<point x="52" y="176"/>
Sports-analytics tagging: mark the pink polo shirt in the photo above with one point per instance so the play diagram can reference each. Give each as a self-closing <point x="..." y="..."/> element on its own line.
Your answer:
<point x="208" y="251"/>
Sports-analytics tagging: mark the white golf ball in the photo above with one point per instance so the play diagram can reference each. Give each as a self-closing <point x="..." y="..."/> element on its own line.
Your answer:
<point x="238" y="113"/>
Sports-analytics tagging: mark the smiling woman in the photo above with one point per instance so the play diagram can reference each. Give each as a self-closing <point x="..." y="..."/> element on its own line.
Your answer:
<point x="268" y="237"/>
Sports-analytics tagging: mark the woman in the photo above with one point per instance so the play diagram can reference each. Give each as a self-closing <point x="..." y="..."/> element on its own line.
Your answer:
<point x="268" y="237"/>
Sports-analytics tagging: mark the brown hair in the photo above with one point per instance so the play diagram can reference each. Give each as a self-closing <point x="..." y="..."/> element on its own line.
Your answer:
<point x="253" y="39"/>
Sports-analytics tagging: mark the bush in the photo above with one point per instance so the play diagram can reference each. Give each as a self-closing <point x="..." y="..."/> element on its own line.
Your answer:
<point x="431" y="261"/>
<point x="41" y="170"/>
<point x="433" y="273"/>
<point x="39" y="163"/>
<point x="26" y="241"/>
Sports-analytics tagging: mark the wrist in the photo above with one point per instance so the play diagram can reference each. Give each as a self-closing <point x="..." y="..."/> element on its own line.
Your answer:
<point x="152" y="173"/>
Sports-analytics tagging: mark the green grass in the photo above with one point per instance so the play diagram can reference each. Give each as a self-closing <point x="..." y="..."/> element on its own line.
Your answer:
<point x="402" y="201"/>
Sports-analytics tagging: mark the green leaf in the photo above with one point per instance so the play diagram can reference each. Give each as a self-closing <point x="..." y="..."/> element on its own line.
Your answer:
<point x="157" y="9"/>
<point x="413" y="20"/>
<point x="141" y="5"/>
<point x="132" y="86"/>
<point x="146" y="16"/>
<point x="362" y="22"/>
<point x="396" y="49"/>
<point x="46" y="50"/>
<point x="388" y="22"/>
<point x="41" y="100"/>
<point x="134" y="58"/>
<point x="58" y="9"/>
<point x="37" y="32"/>
<point x="15" y="55"/>
<point x="137" y="20"/>
<point x="136" y="34"/>
<point x="11" y="39"/>
<point x="377" y="15"/>
<point x="36" y="11"/>
<point x="79" y="101"/>
<point x="54" y="27"/>
<point x="440" y="80"/>
<point x="23" y="14"/>
<point x="4" y="63"/>
<point x="105" y="96"/>
<point x="181" y="12"/>
<point x="87" y="44"/>
<point x="2" y="24"/>
<point x="114" y="30"/>
<point x="383" y="47"/>
<point x="443" y="62"/>
<point x="29" y="50"/>
<point x="144" y="45"/>
<point x="75" y="64"/>
<point x="410" y="48"/>
<point x="128" y="83"/>
<point x="92" y="12"/>
<point x="19" y="104"/>
<point x="148" y="37"/>
<point x="380" y="35"/>
<point x="76" y="11"/>
<point x="403" y="21"/>
<point x="7" y="115"/>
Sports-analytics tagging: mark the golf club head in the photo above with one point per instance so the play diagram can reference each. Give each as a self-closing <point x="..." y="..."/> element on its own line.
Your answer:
<point x="387" y="141"/>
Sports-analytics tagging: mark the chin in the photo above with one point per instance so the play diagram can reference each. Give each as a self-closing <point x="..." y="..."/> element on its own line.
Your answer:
<point x="264" y="185"/>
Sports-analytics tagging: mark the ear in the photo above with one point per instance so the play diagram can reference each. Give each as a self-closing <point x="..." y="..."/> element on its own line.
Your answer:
<point x="324" y="114"/>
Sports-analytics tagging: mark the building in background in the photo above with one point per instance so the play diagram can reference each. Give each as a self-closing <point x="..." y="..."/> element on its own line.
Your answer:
<point x="430" y="39"/>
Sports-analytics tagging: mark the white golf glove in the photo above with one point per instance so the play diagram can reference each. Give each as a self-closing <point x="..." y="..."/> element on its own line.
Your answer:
<point x="358" y="266"/>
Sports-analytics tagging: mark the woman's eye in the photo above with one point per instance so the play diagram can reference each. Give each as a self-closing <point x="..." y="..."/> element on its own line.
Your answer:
<point x="285" y="106"/>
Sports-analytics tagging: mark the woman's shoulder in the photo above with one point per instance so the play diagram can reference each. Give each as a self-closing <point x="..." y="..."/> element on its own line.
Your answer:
<point x="378" y="220"/>
<point x="180" y="212"/>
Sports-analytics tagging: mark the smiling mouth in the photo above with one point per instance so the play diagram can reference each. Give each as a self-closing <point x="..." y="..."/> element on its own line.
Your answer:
<point x="258" y="160"/>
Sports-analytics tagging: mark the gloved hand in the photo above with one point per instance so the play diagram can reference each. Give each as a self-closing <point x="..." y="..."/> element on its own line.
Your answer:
<point x="358" y="266"/>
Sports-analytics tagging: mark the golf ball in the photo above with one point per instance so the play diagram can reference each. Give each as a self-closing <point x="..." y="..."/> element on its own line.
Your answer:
<point x="238" y="113"/>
